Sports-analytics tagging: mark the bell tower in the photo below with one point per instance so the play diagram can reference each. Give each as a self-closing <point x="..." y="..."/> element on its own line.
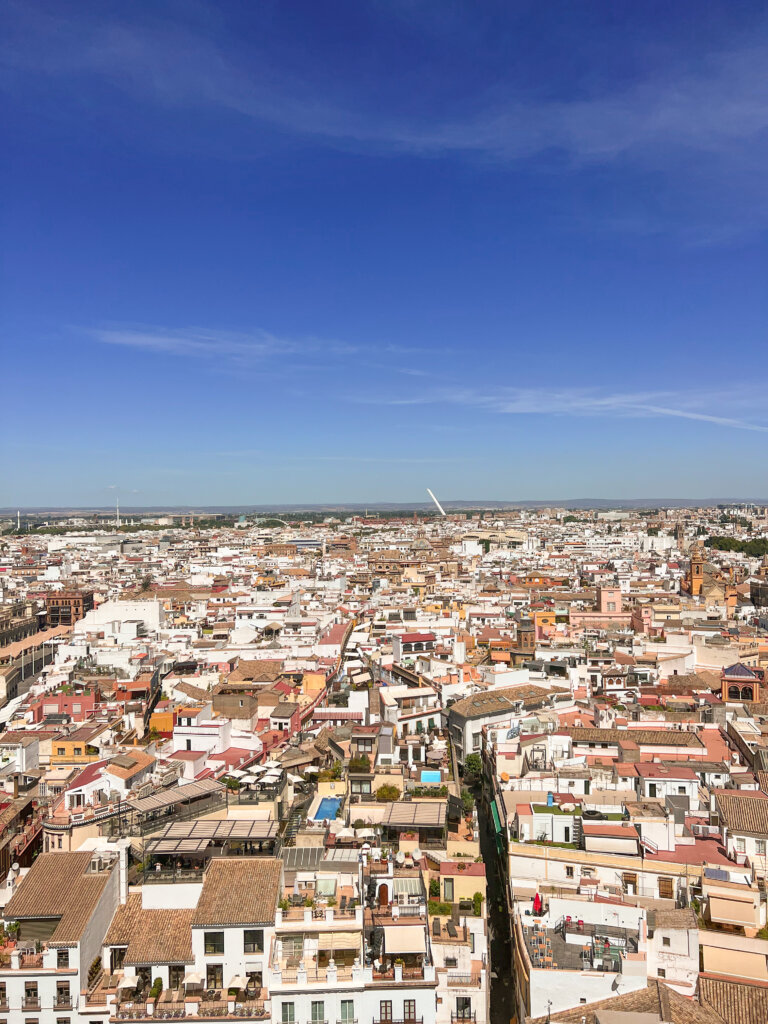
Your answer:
<point x="697" y="570"/>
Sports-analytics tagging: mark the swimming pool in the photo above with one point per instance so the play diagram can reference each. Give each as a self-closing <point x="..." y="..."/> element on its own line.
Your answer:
<point x="327" y="807"/>
<point x="431" y="776"/>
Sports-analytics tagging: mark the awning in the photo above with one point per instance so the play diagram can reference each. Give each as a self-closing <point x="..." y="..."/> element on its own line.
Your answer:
<point x="732" y="911"/>
<point x="238" y="981"/>
<point x="495" y="814"/>
<point x="338" y="940"/>
<point x="193" y="978"/>
<point x="410" y="886"/>
<point x="406" y="938"/>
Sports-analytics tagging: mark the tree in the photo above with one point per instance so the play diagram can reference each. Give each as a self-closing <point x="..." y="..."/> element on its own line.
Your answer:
<point x="387" y="794"/>
<point x="473" y="765"/>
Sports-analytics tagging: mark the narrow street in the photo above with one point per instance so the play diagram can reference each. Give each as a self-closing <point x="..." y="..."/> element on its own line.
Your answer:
<point x="502" y="987"/>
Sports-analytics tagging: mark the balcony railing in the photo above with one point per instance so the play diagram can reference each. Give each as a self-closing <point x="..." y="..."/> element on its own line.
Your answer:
<point x="31" y="1003"/>
<point x="406" y="1020"/>
<point x="464" y="1017"/>
<point x="464" y="980"/>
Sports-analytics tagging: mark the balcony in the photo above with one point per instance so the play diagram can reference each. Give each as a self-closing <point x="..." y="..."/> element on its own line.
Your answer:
<point x="407" y="1020"/>
<point x="31" y="1003"/>
<point x="468" y="1017"/>
<point x="464" y="980"/>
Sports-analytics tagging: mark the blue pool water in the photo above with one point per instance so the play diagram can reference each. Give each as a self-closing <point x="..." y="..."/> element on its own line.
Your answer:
<point x="431" y="776"/>
<point x="327" y="807"/>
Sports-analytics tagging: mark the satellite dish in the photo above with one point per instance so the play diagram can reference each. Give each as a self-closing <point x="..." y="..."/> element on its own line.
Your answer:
<point x="416" y="854"/>
<point x="400" y="858"/>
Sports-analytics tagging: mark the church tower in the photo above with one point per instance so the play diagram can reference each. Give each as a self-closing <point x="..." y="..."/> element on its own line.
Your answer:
<point x="697" y="570"/>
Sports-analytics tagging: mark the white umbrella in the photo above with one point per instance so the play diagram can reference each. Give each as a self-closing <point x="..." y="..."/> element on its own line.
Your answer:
<point x="272" y="764"/>
<point x="193" y="978"/>
<point x="294" y="779"/>
<point x="345" y="833"/>
<point x="237" y="982"/>
<point x="126" y="982"/>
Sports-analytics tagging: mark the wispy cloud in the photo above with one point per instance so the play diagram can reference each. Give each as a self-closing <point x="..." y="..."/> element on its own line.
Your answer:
<point x="710" y="108"/>
<point x="590" y="402"/>
<point x="202" y="343"/>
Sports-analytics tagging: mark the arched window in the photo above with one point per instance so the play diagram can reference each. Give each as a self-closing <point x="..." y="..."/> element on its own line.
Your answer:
<point x="733" y="692"/>
<point x="746" y="693"/>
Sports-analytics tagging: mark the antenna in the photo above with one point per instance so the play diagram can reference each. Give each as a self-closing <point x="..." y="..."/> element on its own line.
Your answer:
<point x="440" y="508"/>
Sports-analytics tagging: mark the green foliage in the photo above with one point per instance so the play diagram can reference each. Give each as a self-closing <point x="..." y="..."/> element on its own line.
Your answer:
<point x="361" y="763"/>
<point x="434" y="888"/>
<point x="358" y="823"/>
<point x="477" y="904"/>
<point x="283" y="904"/>
<point x="571" y="519"/>
<point x="157" y="988"/>
<point x="753" y="548"/>
<point x="442" y="909"/>
<point x="473" y="765"/>
<point x="387" y="794"/>
<point x="467" y="800"/>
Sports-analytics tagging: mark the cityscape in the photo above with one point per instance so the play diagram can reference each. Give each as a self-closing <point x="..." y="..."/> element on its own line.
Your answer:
<point x="439" y="766"/>
<point x="384" y="512"/>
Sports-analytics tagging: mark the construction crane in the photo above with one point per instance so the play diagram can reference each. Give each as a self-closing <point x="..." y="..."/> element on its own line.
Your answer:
<point x="440" y="508"/>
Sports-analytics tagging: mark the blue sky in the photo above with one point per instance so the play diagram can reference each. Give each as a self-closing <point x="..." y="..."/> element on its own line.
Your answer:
<point x="280" y="252"/>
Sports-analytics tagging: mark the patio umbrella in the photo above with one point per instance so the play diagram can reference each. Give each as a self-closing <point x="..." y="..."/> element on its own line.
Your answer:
<point x="237" y="982"/>
<point x="193" y="978"/>
<point x="537" y="904"/>
<point x="126" y="982"/>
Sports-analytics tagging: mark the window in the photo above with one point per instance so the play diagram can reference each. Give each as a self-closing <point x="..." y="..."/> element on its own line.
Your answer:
<point x="666" y="889"/>
<point x="567" y="833"/>
<point x="253" y="940"/>
<point x="62" y="958"/>
<point x="661" y="972"/>
<point x="760" y="847"/>
<point x="175" y="976"/>
<point x="214" y="943"/>
<point x="348" y="1010"/>
<point x="569" y="872"/>
<point x="214" y="976"/>
<point x="360" y="786"/>
<point x="318" y="1011"/>
<point x="409" y="1009"/>
<point x="666" y="940"/>
<point x="463" y="1007"/>
<point x="448" y="890"/>
<point x="288" y="1013"/>
<point x="60" y="751"/>
<point x="78" y="751"/>
<point x="451" y="962"/>
<point x="740" y="844"/>
<point x="385" y="1010"/>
